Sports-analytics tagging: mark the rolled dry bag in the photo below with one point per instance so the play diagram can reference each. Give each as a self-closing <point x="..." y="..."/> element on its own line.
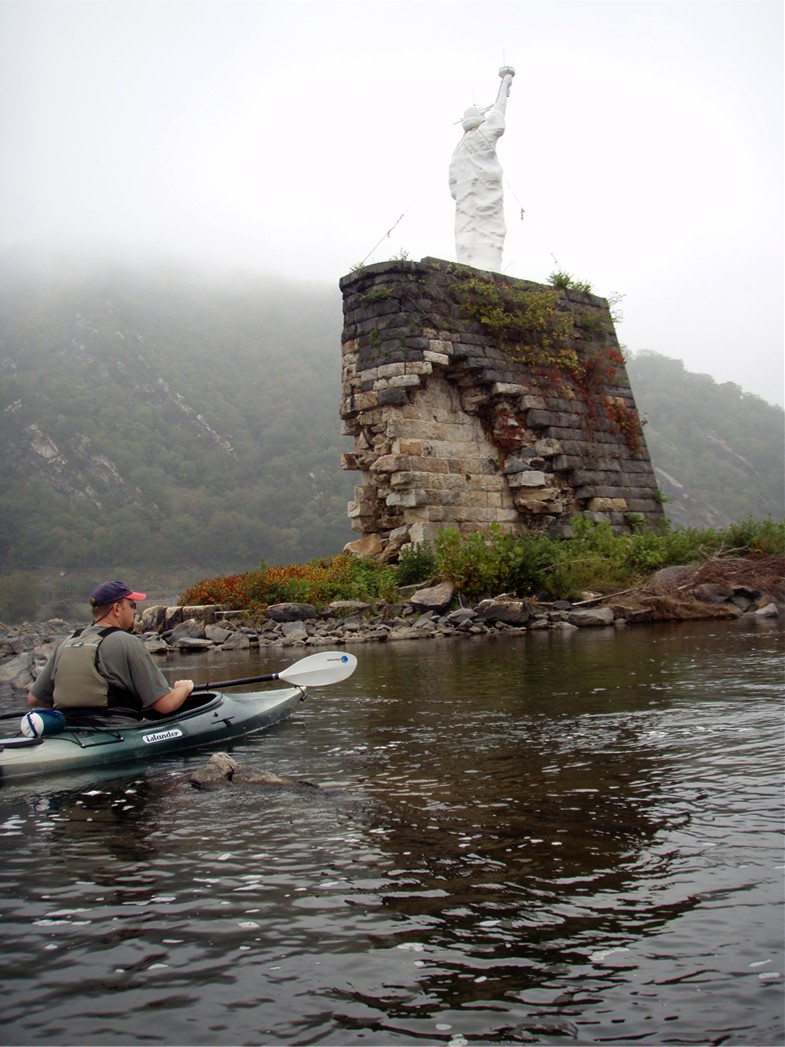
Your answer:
<point x="39" y="722"/>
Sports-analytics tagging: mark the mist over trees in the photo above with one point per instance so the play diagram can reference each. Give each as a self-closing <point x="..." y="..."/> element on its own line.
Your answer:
<point x="175" y="419"/>
<point x="157" y="418"/>
<point x="718" y="452"/>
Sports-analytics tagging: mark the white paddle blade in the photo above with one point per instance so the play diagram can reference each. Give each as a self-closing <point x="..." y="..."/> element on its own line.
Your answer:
<point x="319" y="670"/>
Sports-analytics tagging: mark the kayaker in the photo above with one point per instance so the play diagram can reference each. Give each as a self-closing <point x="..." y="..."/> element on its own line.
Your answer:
<point x="102" y="674"/>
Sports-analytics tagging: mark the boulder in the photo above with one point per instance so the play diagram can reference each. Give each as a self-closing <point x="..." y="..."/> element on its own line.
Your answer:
<point x="219" y="770"/>
<point x="201" y="612"/>
<point x="437" y="598"/>
<point x="217" y="633"/>
<point x="11" y="669"/>
<point x="193" y="643"/>
<point x="591" y="616"/>
<point x="222" y="769"/>
<point x="237" y="641"/>
<point x="152" y="619"/>
<point x="405" y="632"/>
<point x="294" y="632"/>
<point x="155" y="645"/>
<point x="191" y="629"/>
<point x="711" y="592"/>
<point x="368" y="545"/>
<point x="669" y="575"/>
<point x="344" y="608"/>
<point x="459" y="618"/>
<point x="291" y="612"/>
<point x="504" y="610"/>
<point x="172" y="617"/>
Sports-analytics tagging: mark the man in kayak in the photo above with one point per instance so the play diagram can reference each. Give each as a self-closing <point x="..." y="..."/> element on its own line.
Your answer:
<point x="103" y="674"/>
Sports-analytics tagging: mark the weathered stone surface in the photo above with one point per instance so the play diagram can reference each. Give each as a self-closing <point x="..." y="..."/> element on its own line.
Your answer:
<point x="156" y="645"/>
<point x="510" y="611"/>
<point x="14" y="667"/>
<point x="238" y="641"/>
<point x="713" y="593"/>
<point x="204" y="613"/>
<point x="190" y="643"/>
<point x="294" y="632"/>
<point x="341" y="608"/>
<point x="591" y="616"/>
<point x="219" y="770"/>
<point x="672" y="575"/>
<point x="217" y="633"/>
<point x="152" y="619"/>
<point x="172" y="617"/>
<point x="191" y="629"/>
<point x="436" y="598"/>
<point x="223" y="770"/>
<point x="368" y="545"/>
<point x="291" y="612"/>
<point x="404" y="632"/>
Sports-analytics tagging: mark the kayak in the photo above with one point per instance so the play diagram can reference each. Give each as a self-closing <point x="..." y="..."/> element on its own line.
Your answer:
<point x="207" y="719"/>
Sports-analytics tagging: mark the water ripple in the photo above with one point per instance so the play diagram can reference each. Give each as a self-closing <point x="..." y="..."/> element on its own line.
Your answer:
<point x="528" y="844"/>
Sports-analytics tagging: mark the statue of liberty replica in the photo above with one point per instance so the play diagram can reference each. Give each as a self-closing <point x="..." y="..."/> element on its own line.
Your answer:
<point x="476" y="183"/>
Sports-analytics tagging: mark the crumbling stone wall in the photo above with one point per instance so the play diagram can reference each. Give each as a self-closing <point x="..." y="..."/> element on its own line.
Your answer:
<point x="449" y="432"/>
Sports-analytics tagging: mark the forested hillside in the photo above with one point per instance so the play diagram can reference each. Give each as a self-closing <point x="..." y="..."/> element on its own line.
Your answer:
<point x="169" y="420"/>
<point x="154" y="418"/>
<point x="718" y="452"/>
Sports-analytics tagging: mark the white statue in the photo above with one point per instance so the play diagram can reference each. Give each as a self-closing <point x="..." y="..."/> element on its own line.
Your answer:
<point x="476" y="183"/>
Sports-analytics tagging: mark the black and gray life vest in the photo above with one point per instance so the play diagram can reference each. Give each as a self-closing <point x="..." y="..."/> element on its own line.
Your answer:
<point x="78" y="684"/>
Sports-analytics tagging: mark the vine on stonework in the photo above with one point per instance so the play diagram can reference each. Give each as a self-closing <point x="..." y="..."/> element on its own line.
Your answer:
<point x="527" y="323"/>
<point x="599" y="368"/>
<point x="531" y="328"/>
<point x="626" y="420"/>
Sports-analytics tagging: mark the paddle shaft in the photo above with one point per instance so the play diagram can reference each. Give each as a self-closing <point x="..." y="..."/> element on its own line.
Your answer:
<point x="219" y="684"/>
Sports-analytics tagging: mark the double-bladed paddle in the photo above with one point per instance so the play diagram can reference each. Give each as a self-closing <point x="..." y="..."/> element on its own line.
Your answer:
<point x="317" y="670"/>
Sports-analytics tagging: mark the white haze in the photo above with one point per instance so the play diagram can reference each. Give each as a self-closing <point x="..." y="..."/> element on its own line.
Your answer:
<point x="644" y="142"/>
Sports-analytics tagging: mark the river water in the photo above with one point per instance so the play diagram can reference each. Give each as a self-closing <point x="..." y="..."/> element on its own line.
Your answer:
<point x="546" y="839"/>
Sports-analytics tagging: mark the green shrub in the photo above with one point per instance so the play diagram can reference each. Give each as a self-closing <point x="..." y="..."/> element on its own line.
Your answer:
<point x="593" y="558"/>
<point x="766" y="537"/>
<point x="416" y="564"/>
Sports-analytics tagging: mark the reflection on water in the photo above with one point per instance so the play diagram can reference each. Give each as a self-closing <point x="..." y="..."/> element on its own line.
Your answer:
<point x="552" y="839"/>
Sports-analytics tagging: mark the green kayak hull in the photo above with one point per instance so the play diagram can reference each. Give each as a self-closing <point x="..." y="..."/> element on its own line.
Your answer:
<point x="207" y="720"/>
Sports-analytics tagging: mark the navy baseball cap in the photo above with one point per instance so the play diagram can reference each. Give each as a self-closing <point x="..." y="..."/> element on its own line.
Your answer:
<point x="111" y="592"/>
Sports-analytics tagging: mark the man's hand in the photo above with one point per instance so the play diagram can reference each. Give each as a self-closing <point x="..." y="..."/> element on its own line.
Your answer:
<point x="172" y="701"/>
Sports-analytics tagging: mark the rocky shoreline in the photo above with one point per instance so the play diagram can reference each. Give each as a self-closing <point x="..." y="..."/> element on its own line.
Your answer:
<point x="717" y="589"/>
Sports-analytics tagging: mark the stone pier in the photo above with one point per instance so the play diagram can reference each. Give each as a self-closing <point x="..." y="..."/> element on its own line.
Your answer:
<point x="476" y="399"/>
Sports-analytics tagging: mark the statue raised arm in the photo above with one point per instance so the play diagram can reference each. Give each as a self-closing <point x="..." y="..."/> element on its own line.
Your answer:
<point x="476" y="183"/>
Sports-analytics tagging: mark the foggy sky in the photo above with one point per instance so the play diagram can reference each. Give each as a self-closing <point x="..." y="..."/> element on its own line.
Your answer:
<point x="644" y="143"/>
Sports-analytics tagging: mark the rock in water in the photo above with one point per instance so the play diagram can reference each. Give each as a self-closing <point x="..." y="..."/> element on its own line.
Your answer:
<point x="222" y="769"/>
